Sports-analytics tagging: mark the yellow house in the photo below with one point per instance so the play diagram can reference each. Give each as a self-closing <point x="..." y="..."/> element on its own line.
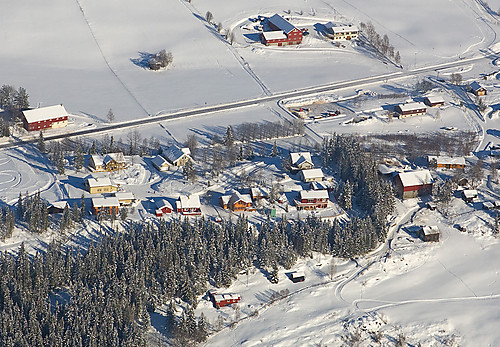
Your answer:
<point x="100" y="185"/>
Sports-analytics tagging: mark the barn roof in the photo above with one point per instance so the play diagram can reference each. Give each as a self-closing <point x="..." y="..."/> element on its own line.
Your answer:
<point x="434" y="99"/>
<point x="430" y="230"/>
<point x="274" y="35"/>
<point x="415" y="178"/>
<point x="281" y="23"/>
<point x="44" y="113"/>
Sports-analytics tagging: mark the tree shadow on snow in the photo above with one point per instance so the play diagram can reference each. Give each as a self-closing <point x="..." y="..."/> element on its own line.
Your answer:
<point x="142" y="60"/>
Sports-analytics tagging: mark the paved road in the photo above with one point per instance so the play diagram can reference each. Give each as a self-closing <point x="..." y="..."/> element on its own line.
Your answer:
<point x="250" y="102"/>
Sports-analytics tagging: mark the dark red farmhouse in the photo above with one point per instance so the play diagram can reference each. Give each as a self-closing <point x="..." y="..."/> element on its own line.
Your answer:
<point x="413" y="183"/>
<point x="282" y="32"/>
<point x="45" y="117"/>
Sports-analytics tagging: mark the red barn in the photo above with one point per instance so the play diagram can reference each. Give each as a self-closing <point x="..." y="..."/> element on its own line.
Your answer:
<point x="282" y="32"/>
<point x="221" y="300"/>
<point x="414" y="183"/>
<point x="162" y="207"/>
<point x="45" y="117"/>
<point x="189" y="205"/>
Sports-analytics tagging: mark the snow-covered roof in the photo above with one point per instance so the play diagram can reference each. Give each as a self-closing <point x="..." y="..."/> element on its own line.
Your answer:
<point x="434" y="99"/>
<point x="125" y="196"/>
<point x="300" y="157"/>
<point x="174" y="153"/>
<point x="469" y="193"/>
<point x="59" y="204"/>
<point x="322" y="185"/>
<point x="385" y="170"/>
<point x="475" y="86"/>
<point x="225" y="199"/>
<point x="259" y="192"/>
<point x="488" y="205"/>
<point x="314" y="194"/>
<point x="298" y="274"/>
<point x="161" y="203"/>
<point x="159" y="161"/>
<point x="97" y="159"/>
<point x="237" y="196"/>
<point x="312" y="173"/>
<point x="430" y="230"/>
<point x="99" y="182"/>
<point x="118" y="157"/>
<point x="44" y="113"/>
<point x="274" y="35"/>
<point x="192" y="201"/>
<point x="223" y="297"/>
<point x="415" y="178"/>
<point x="342" y="28"/>
<point x="412" y="106"/>
<point x="281" y="23"/>
<point x="110" y="201"/>
<point x="444" y="160"/>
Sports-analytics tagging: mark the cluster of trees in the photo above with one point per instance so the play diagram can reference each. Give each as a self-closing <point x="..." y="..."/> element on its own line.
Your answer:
<point x="381" y="44"/>
<point x="13" y="100"/>
<point x="7" y="222"/>
<point x="247" y="132"/>
<point x="160" y="60"/>
<point x="32" y="210"/>
<point x="421" y="145"/>
<point x="4" y="128"/>
<point x="359" y="185"/>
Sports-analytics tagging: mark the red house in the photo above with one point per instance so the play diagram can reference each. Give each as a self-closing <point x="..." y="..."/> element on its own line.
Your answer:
<point x="312" y="199"/>
<point x="414" y="183"/>
<point x="282" y="32"/>
<point x="189" y="205"/>
<point x="162" y="207"/>
<point x="221" y="300"/>
<point x="45" y="117"/>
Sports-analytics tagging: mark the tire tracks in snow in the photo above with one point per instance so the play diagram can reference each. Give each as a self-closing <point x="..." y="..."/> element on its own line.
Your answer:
<point x="129" y="92"/>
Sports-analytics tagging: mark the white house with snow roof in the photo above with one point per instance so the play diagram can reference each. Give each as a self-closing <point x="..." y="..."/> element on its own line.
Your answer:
<point x="312" y="175"/>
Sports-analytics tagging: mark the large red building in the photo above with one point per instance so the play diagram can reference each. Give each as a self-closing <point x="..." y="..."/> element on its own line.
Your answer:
<point x="282" y="32"/>
<point x="413" y="184"/>
<point x="45" y="117"/>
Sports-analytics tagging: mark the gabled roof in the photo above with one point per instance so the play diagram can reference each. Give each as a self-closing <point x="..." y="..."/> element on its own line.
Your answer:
<point x="430" y="230"/>
<point x="44" y="113"/>
<point x="174" y="153"/>
<point x="159" y="161"/>
<point x="97" y="159"/>
<point x="444" y="160"/>
<point x="415" y="178"/>
<point x="298" y="274"/>
<point x="124" y="196"/>
<point x="312" y="173"/>
<point x="341" y="28"/>
<point x="99" y="182"/>
<point x="161" y="203"/>
<point x="469" y="193"/>
<point x="313" y="194"/>
<point x="223" y="297"/>
<point x="259" y="192"/>
<point x="434" y="99"/>
<point x="240" y="197"/>
<point x="117" y="157"/>
<point x="59" y="204"/>
<point x="300" y="157"/>
<point x="105" y="202"/>
<point x="192" y="201"/>
<point x="411" y="106"/>
<point x="475" y="86"/>
<point x="274" y="35"/>
<point x="225" y="199"/>
<point x="281" y="23"/>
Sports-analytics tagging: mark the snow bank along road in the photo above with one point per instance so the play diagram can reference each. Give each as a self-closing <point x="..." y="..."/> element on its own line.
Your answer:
<point x="249" y="102"/>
